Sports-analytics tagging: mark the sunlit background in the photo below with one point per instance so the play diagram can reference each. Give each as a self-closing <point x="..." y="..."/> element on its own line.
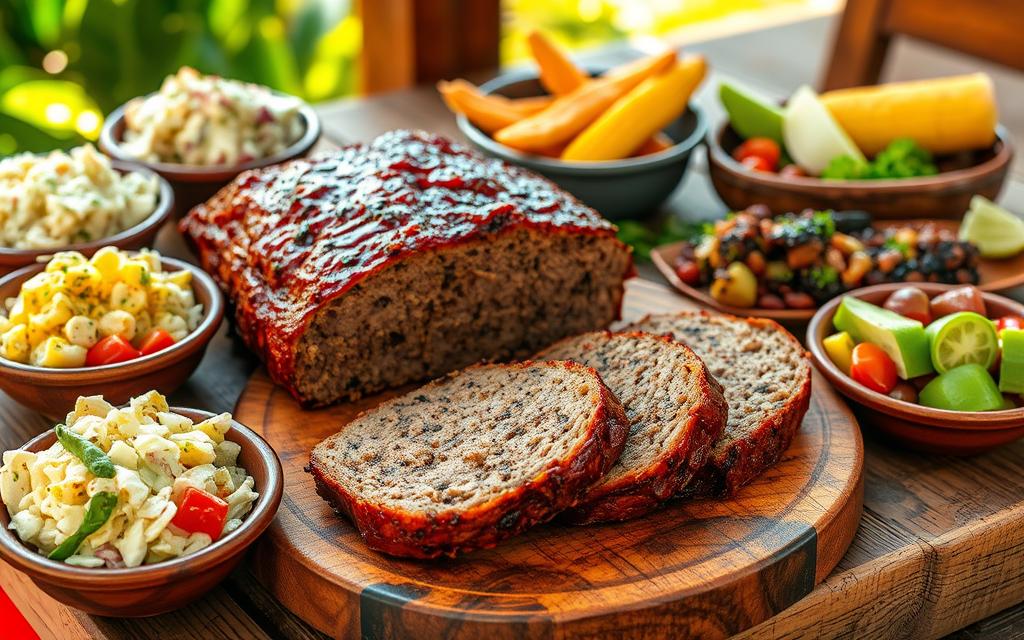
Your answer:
<point x="65" y="63"/>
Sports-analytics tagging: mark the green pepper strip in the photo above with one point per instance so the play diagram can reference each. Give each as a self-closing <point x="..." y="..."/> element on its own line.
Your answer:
<point x="95" y="460"/>
<point x="100" y="507"/>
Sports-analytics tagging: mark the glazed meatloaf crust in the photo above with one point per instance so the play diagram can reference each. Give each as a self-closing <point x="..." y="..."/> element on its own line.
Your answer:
<point x="471" y="459"/>
<point x="402" y="260"/>
<point x="766" y="376"/>
<point x="675" y="409"/>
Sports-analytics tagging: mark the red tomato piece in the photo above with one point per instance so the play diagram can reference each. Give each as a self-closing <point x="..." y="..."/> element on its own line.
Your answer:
<point x="757" y="163"/>
<point x="873" y="368"/>
<point x="155" y="340"/>
<point x="688" y="271"/>
<point x="110" y="350"/>
<point x="1009" y="322"/>
<point x="764" y="148"/>
<point x="201" y="512"/>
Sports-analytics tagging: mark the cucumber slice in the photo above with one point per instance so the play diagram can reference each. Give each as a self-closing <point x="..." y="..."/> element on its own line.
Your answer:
<point x="996" y="232"/>
<point x="749" y="115"/>
<point x="965" y="388"/>
<point x="1011" y="368"/>
<point x="962" y="338"/>
<point x="812" y="135"/>
<point x="902" y="339"/>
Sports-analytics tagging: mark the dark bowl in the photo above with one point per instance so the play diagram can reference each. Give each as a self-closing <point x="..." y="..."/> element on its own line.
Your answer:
<point x="946" y="195"/>
<point x="157" y="588"/>
<point x="628" y="188"/>
<point x="913" y="425"/>
<point x="195" y="184"/>
<point x="52" y="391"/>
<point x="137" y="237"/>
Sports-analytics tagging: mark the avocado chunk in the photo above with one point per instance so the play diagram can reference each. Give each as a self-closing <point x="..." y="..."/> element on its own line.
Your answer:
<point x="1011" y="368"/>
<point x="904" y="340"/>
<point x="750" y="116"/>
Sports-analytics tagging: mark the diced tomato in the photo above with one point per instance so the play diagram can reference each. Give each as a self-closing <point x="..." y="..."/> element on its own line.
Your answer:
<point x="110" y="350"/>
<point x="155" y="340"/>
<point x="201" y="512"/>
<point x="873" y="368"/>
<point x="764" y="148"/>
<point x="1009" y="322"/>
<point x="757" y="163"/>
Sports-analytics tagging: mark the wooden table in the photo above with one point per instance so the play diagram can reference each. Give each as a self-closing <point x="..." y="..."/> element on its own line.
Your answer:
<point x="940" y="546"/>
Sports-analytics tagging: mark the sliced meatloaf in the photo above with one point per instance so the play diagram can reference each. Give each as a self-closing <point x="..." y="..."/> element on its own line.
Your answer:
<point x="402" y="260"/>
<point x="471" y="459"/>
<point x="766" y="376"/>
<point x="675" y="409"/>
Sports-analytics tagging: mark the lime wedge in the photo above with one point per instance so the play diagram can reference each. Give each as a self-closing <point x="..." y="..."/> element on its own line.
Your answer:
<point x="962" y="338"/>
<point x="813" y="137"/>
<point x="995" y="231"/>
<point x="749" y="115"/>
<point x="966" y="388"/>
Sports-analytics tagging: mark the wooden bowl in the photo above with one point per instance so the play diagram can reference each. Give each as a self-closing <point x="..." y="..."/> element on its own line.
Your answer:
<point x="913" y="425"/>
<point x="137" y="237"/>
<point x="993" y="276"/>
<point x="946" y="195"/>
<point x="157" y="588"/>
<point x="194" y="184"/>
<point x="628" y="188"/>
<point x="52" y="392"/>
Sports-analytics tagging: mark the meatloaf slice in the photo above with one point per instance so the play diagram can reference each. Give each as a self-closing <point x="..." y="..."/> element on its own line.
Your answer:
<point x="401" y="260"/>
<point x="675" y="409"/>
<point x="471" y="459"/>
<point x="766" y="376"/>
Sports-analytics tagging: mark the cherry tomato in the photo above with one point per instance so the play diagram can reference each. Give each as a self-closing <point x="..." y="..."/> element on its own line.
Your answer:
<point x="764" y="148"/>
<point x="201" y="512"/>
<point x="959" y="299"/>
<point x="110" y="350"/>
<point x="757" y="163"/>
<point x="792" y="171"/>
<point x="155" y="340"/>
<point x="688" y="271"/>
<point x="910" y="302"/>
<point x="873" y="368"/>
<point x="1009" y="322"/>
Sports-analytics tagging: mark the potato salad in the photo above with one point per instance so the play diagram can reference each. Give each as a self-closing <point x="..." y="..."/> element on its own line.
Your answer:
<point x="207" y="120"/>
<point x="128" y="486"/>
<point x="102" y="310"/>
<point x="59" y="199"/>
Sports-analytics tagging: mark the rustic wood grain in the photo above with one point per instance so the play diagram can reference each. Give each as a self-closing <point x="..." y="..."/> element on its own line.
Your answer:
<point x="707" y="569"/>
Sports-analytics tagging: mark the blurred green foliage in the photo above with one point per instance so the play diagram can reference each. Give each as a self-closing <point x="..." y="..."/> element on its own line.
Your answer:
<point x="64" y="63"/>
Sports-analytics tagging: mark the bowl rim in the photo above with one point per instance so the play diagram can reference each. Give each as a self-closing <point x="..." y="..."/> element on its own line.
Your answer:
<point x="151" y="223"/>
<point x="38" y="566"/>
<point x="601" y="167"/>
<point x="948" y="179"/>
<point x="197" y="338"/>
<point x="110" y="144"/>
<point x="920" y="414"/>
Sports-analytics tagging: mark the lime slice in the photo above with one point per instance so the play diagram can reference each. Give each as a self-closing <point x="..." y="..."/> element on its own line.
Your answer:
<point x="749" y="115"/>
<point x="813" y="137"/>
<point x="962" y="338"/>
<point x="996" y="232"/>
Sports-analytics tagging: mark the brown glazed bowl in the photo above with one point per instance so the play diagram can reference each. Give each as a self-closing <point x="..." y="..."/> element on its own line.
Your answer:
<point x="137" y="237"/>
<point x="192" y="183"/>
<point x="52" y="392"/>
<point x="913" y="425"/>
<point x="946" y="195"/>
<point x="165" y="586"/>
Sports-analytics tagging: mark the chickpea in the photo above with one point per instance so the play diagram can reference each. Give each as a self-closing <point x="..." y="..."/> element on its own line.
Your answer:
<point x="857" y="267"/>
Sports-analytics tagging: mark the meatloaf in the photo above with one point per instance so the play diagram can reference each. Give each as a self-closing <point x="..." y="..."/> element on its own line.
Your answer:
<point x="402" y="260"/>
<point x="469" y="460"/>
<point x="766" y="376"/>
<point x="675" y="409"/>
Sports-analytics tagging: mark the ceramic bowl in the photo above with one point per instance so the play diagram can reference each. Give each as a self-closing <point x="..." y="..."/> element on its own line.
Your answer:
<point x="913" y="425"/>
<point x="628" y="188"/>
<point x="157" y="588"/>
<point x="946" y="195"/>
<point x="137" y="237"/>
<point x="53" y="392"/>
<point x="194" y="184"/>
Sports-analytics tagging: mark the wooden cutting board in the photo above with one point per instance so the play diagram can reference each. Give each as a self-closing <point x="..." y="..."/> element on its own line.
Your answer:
<point x="693" y="569"/>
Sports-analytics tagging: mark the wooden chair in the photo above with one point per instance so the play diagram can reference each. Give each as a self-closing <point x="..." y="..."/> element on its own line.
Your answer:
<point x="410" y="41"/>
<point x="990" y="29"/>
